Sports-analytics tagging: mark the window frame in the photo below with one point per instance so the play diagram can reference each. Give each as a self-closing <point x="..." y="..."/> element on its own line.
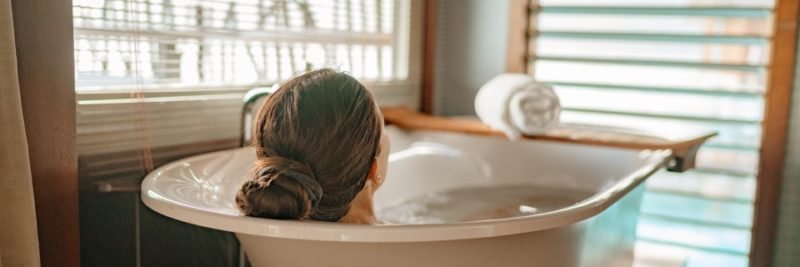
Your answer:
<point x="405" y="92"/>
<point x="777" y="107"/>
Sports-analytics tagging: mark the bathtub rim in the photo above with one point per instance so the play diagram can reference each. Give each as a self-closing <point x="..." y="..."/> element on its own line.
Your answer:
<point x="329" y="231"/>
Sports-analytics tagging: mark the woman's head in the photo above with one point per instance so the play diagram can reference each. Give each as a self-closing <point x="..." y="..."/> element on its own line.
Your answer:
<point x="317" y="140"/>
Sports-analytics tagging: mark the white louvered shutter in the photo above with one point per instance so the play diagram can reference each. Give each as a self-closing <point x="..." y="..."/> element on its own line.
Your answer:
<point x="676" y="64"/>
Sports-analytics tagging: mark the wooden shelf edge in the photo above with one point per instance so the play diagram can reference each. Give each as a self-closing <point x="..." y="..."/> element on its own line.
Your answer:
<point x="684" y="146"/>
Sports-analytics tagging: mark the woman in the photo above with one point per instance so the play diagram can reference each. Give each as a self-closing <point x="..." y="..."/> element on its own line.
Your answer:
<point x="321" y="152"/>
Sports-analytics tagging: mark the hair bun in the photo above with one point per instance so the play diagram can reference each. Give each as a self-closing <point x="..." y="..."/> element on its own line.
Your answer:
<point x="280" y="188"/>
<point x="300" y="172"/>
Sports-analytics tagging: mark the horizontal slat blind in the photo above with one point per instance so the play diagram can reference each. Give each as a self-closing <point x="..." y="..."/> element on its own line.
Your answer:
<point x="121" y="134"/>
<point x="676" y="64"/>
<point x="159" y="80"/>
<point x="121" y="42"/>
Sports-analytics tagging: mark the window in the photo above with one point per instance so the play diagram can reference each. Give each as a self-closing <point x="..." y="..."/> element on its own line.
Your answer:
<point x="161" y="79"/>
<point x="120" y="43"/>
<point x="675" y="64"/>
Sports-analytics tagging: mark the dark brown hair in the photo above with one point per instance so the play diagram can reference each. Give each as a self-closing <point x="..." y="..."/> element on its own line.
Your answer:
<point x="315" y="139"/>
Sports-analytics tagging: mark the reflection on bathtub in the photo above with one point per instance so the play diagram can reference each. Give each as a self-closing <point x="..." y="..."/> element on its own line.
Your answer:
<point x="425" y="148"/>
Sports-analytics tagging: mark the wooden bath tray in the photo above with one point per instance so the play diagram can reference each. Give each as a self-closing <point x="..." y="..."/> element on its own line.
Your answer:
<point x="684" y="146"/>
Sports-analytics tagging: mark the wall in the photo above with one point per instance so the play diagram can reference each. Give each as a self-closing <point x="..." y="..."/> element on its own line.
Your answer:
<point x="43" y="39"/>
<point x="788" y="238"/>
<point x="470" y="50"/>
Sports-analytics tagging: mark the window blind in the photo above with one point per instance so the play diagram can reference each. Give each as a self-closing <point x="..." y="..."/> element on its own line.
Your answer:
<point x="158" y="80"/>
<point x="674" y="64"/>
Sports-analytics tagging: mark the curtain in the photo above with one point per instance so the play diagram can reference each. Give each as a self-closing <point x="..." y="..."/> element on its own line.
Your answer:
<point x="19" y="245"/>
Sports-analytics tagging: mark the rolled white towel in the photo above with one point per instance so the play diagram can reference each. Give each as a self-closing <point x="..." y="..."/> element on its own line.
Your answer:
<point x="516" y="104"/>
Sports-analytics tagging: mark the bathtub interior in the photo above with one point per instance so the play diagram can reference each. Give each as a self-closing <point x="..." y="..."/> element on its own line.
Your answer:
<point x="427" y="161"/>
<point x="420" y="162"/>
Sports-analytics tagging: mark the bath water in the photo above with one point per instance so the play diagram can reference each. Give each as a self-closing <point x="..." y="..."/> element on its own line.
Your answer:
<point x="479" y="203"/>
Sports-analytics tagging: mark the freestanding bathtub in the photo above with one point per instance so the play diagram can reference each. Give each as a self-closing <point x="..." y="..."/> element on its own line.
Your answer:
<point x="596" y="231"/>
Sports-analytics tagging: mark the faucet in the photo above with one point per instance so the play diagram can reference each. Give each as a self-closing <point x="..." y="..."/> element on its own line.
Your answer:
<point x="252" y="102"/>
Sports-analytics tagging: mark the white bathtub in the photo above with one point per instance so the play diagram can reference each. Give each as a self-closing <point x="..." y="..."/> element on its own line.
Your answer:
<point x="598" y="231"/>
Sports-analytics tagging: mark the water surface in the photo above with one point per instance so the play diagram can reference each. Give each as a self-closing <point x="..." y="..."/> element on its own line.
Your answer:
<point x="479" y="203"/>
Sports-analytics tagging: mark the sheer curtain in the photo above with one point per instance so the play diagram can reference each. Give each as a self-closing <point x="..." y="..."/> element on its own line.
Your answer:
<point x="19" y="245"/>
